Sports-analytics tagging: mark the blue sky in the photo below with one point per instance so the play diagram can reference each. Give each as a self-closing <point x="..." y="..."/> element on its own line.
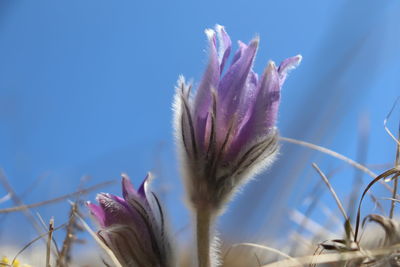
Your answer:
<point x="86" y="90"/>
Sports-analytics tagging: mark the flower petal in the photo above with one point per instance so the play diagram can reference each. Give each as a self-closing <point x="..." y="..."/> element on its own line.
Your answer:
<point x="116" y="210"/>
<point x="203" y="95"/>
<point x="97" y="212"/>
<point x="263" y="110"/>
<point x="129" y="246"/>
<point x="128" y="190"/>
<point x="248" y="96"/>
<point x="127" y="187"/>
<point x="232" y="85"/>
<point x="246" y="107"/>
<point x="143" y="189"/>
<point x="287" y="65"/>
<point x="225" y="44"/>
<point x="269" y="95"/>
<point x="239" y="52"/>
<point x="130" y="229"/>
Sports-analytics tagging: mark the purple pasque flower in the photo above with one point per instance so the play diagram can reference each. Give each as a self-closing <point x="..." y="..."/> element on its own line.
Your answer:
<point x="133" y="226"/>
<point x="226" y="128"/>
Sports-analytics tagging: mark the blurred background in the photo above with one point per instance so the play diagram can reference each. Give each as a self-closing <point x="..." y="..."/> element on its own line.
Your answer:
<point x="86" y="90"/>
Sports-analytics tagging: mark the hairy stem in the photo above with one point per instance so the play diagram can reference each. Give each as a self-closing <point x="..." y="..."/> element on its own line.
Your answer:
<point x="203" y="233"/>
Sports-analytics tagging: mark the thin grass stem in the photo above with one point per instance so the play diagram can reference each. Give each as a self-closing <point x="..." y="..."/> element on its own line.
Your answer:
<point x="57" y="199"/>
<point x="49" y="239"/>
<point x="338" y="202"/>
<point x="273" y="250"/>
<point x="336" y="155"/>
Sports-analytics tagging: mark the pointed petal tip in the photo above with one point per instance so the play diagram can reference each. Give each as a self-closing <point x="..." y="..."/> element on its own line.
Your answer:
<point x="256" y="38"/>
<point x="241" y="44"/>
<point x="210" y="33"/>
<point x="125" y="178"/>
<point x="149" y="177"/>
<point x="219" y="27"/>
<point x="271" y="66"/>
<point x="97" y="212"/>
<point x="290" y="63"/>
<point x="144" y="186"/>
<point x="296" y="60"/>
<point x="255" y="41"/>
<point x="127" y="186"/>
<point x="181" y="85"/>
<point x="91" y="206"/>
<point x="181" y="79"/>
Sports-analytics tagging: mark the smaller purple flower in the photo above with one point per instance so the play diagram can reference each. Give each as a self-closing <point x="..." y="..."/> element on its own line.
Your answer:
<point x="226" y="128"/>
<point x="133" y="226"/>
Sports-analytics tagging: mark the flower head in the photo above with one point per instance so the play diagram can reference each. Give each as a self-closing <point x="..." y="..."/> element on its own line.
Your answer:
<point x="6" y="262"/>
<point x="226" y="129"/>
<point x="133" y="226"/>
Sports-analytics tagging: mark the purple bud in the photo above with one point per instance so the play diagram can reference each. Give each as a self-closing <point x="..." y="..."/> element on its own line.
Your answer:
<point x="133" y="227"/>
<point x="226" y="128"/>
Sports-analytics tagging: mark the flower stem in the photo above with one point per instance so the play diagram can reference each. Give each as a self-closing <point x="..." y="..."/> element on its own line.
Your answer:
<point x="203" y="229"/>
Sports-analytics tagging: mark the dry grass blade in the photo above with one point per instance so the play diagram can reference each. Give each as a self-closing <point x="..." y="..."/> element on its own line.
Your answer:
<point x="386" y="120"/>
<point x="314" y="195"/>
<point x="57" y="199"/>
<point x="49" y="239"/>
<point x="46" y="228"/>
<point x="391" y="199"/>
<point x="338" y="202"/>
<point x="397" y="140"/>
<point x="69" y="237"/>
<point x="98" y="241"/>
<point x="5" y="198"/>
<point x="397" y="162"/>
<point x="309" y="224"/>
<point x="334" y="257"/>
<point x="331" y="153"/>
<point x="393" y="205"/>
<point x="385" y="175"/>
<point x="273" y="250"/>
<point x="336" y="155"/>
<point x="361" y="157"/>
<point x="17" y="200"/>
<point x="33" y="241"/>
<point x="377" y="204"/>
